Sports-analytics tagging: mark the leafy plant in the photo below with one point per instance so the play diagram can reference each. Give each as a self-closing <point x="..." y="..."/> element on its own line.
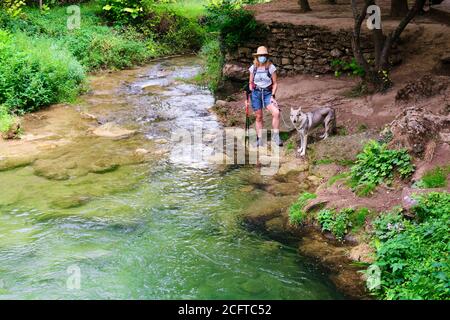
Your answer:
<point x="13" y="7"/>
<point x="377" y="164"/>
<point x="341" y="223"/>
<point x="435" y="178"/>
<point x="349" y="68"/>
<point x="432" y="205"/>
<point x="325" y="218"/>
<point x="389" y="224"/>
<point x="296" y="213"/>
<point x="338" y="223"/>
<point x="413" y="256"/>
<point x="358" y="219"/>
<point x="6" y="119"/>
<point x="234" y="24"/>
<point x="35" y="73"/>
<point x="123" y="11"/>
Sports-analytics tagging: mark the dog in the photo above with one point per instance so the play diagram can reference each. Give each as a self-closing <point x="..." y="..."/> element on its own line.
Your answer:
<point x="305" y="122"/>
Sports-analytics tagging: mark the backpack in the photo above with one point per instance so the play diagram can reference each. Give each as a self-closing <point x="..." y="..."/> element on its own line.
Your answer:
<point x="255" y="70"/>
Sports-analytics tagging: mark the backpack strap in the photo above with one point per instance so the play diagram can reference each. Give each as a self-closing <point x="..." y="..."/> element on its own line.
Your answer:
<point x="255" y="69"/>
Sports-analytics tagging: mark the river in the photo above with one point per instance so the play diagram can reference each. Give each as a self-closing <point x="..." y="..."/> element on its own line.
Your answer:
<point x="164" y="228"/>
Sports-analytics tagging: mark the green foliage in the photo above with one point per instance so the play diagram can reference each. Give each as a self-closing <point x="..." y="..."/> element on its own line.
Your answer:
<point x="175" y="31"/>
<point x="213" y="62"/>
<point x="377" y="164"/>
<point x="388" y="225"/>
<point x="6" y="119"/>
<point x="123" y="11"/>
<point x="338" y="223"/>
<point x="435" y="178"/>
<point x="337" y="177"/>
<point x="13" y="7"/>
<point x="365" y="189"/>
<point x="290" y="146"/>
<point x="325" y="218"/>
<point x="296" y="213"/>
<point x="432" y="205"/>
<point x="358" y="217"/>
<point x="413" y="256"/>
<point x="36" y="72"/>
<point x="349" y="68"/>
<point x="99" y="48"/>
<point x="234" y="24"/>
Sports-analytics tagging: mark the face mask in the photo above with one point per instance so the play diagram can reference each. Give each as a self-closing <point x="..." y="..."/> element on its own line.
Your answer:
<point x="262" y="59"/>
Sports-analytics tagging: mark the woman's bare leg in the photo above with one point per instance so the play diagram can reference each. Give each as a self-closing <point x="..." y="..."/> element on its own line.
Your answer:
<point x="259" y="122"/>
<point x="275" y="117"/>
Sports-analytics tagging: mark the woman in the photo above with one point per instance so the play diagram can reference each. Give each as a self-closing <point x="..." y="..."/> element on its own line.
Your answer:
<point x="263" y="85"/>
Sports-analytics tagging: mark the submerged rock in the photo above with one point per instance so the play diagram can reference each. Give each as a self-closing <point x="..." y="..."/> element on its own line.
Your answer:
<point x="266" y="208"/>
<point x="111" y="130"/>
<point x="70" y="202"/>
<point x="284" y="189"/>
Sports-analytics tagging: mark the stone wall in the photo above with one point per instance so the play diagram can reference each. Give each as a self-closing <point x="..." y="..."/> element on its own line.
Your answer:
<point x="295" y="49"/>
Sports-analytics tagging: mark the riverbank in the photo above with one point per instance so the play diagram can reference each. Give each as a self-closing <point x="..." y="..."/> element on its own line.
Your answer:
<point x="313" y="195"/>
<point x="64" y="46"/>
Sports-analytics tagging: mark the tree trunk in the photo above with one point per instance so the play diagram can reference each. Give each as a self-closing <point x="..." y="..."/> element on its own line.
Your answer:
<point x="40" y="4"/>
<point x="399" y="8"/>
<point x="304" y="5"/>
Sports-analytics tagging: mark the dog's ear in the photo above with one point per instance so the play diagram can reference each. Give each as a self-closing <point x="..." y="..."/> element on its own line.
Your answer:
<point x="292" y="110"/>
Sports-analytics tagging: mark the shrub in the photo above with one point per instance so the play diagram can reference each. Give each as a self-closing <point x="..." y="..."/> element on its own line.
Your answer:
<point x="414" y="259"/>
<point x="296" y="213"/>
<point x="6" y="119"/>
<point x="234" y="24"/>
<point x="435" y="178"/>
<point x="13" y="7"/>
<point x="123" y="11"/>
<point x="376" y="164"/>
<point x="432" y="205"/>
<point x="213" y="62"/>
<point x="100" y="48"/>
<point x="351" y="68"/>
<point x="35" y="73"/>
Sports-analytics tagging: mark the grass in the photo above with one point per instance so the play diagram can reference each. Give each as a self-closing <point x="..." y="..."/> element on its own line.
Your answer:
<point x="6" y="119"/>
<point x="212" y="65"/>
<point x="337" y="177"/>
<point x="434" y="178"/>
<point x="296" y="214"/>
<point x="192" y="9"/>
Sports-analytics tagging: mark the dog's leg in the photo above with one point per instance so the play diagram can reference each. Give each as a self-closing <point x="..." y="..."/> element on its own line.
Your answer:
<point x="299" y="150"/>
<point x="305" y="142"/>
<point x="327" y="127"/>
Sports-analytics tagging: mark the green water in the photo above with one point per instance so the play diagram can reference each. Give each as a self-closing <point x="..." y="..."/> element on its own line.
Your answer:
<point x="162" y="229"/>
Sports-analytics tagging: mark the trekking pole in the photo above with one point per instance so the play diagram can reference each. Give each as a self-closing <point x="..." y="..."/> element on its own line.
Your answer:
<point x="247" y="120"/>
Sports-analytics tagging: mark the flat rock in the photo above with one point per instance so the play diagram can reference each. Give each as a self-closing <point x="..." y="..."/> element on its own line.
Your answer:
<point x="111" y="130"/>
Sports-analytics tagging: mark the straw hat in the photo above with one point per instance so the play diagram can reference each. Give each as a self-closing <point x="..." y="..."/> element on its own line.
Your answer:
<point x="261" y="51"/>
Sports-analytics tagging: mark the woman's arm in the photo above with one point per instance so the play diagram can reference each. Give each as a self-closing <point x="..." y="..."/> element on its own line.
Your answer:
<point x="250" y="81"/>
<point x="274" y="83"/>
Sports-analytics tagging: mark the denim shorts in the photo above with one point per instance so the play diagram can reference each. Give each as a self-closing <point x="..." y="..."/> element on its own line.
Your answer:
<point x="260" y="98"/>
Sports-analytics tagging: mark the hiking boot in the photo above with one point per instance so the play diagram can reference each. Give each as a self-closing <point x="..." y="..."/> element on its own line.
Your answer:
<point x="277" y="140"/>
